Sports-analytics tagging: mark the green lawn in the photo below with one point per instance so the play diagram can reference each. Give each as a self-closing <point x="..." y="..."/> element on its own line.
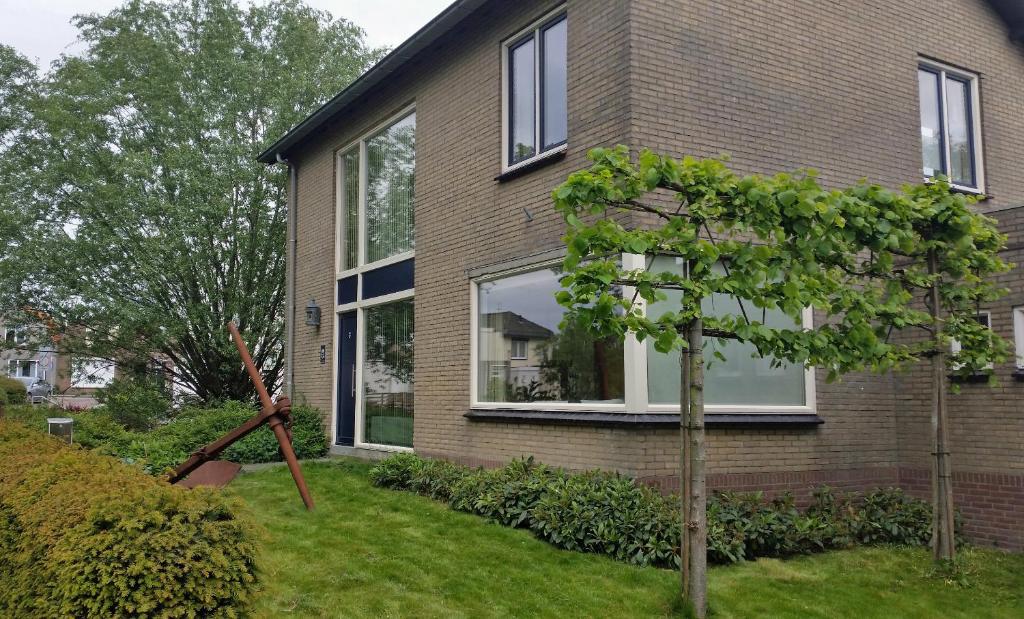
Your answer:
<point x="367" y="552"/>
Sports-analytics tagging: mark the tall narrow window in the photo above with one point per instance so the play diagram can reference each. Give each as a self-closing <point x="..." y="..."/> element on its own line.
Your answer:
<point x="378" y="179"/>
<point x="536" y="96"/>
<point x="522" y="101"/>
<point x="388" y="374"/>
<point x="949" y="121"/>
<point x="350" y="209"/>
<point x="390" y="179"/>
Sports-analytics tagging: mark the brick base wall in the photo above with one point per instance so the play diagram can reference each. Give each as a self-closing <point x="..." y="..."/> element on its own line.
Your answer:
<point x="992" y="505"/>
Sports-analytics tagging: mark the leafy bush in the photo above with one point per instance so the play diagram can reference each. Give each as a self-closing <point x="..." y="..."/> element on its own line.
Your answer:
<point x="83" y="535"/>
<point x="138" y="404"/>
<point x="92" y="428"/>
<point x="14" y="389"/>
<point x="170" y="444"/>
<point x="610" y="514"/>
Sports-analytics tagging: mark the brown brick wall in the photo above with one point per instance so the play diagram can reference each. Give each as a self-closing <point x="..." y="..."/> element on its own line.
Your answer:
<point x="830" y="85"/>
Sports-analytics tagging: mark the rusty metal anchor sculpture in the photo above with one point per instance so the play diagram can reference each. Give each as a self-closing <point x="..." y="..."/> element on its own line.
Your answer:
<point x="278" y="416"/>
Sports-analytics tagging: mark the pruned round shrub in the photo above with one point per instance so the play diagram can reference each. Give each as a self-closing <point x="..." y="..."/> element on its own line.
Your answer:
<point x="14" y="389"/>
<point x="83" y="535"/>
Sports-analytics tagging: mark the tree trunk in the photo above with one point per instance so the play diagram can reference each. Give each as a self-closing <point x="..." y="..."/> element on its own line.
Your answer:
<point x="943" y="543"/>
<point x="693" y="538"/>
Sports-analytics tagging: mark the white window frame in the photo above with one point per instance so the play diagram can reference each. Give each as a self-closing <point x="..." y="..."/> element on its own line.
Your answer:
<point x="972" y="79"/>
<point x="525" y="344"/>
<point x="359" y="306"/>
<point x="360" y="143"/>
<point x="33" y="362"/>
<point x="1018" y="335"/>
<point x="635" y="363"/>
<point x="506" y="105"/>
<point x="20" y="335"/>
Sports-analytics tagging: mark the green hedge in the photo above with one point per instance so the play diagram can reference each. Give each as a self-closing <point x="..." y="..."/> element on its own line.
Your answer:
<point x="610" y="514"/>
<point x="170" y="444"/>
<point x="83" y="535"/>
<point x="14" y="390"/>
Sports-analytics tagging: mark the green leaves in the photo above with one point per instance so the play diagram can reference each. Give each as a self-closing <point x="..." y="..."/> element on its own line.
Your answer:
<point x="855" y="256"/>
<point x="144" y="148"/>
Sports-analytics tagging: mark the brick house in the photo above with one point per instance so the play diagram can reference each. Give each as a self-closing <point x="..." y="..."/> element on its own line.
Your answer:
<point x="491" y="105"/>
<point x="30" y="355"/>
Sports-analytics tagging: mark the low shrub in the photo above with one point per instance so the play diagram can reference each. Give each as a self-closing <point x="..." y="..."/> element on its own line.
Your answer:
<point x="14" y="389"/>
<point x="610" y="514"/>
<point x="172" y="443"/>
<point x="83" y="535"/>
<point x="138" y="404"/>
<point x="92" y="428"/>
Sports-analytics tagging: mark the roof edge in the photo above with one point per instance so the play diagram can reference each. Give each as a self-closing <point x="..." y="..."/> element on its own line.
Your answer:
<point x="423" y="38"/>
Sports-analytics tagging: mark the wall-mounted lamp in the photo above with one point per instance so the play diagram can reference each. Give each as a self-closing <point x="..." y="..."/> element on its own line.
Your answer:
<point x="313" y="314"/>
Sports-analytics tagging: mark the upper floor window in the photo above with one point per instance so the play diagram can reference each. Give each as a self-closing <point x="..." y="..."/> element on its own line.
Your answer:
<point x="950" y="125"/>
<point x="16" y="335"/>
<point x="536" y="113"/>
<point x="377" y="195"/>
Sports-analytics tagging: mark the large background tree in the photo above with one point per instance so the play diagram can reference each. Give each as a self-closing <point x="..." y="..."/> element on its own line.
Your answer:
<point x="150" y="224"/>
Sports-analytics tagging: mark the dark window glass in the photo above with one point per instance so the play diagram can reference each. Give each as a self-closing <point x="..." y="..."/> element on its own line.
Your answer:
<point x="958" y="113"/>
<point x="553" y="88"/>
<point x="522" y="97"/>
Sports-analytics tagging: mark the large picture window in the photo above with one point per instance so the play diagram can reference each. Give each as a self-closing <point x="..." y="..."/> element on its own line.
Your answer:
<point x="744" y="378"/>
<point x="536" y="110"/>
<point x="524" y="357"/>
<point x="388" y="374"/>
<point x="376" y="219"/>
<point x="950" y="127"/>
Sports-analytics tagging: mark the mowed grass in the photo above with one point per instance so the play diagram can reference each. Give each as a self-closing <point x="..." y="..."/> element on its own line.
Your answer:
<point x="368" y="552"/>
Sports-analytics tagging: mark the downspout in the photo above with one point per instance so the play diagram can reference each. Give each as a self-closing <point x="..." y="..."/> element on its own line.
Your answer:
<point x="289" y="325"/>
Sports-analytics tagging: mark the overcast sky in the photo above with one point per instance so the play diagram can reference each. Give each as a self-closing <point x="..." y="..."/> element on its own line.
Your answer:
<point x="41" y="29"/>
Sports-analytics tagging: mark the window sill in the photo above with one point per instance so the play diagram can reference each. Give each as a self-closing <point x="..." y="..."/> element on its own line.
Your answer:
<point x="540" y="161"/>
<point x="977" y="378"/>
<point x="643" y="420"/>
<point x="968" y="191"/>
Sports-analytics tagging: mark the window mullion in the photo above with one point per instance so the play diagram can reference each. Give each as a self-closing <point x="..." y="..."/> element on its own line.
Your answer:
<point x="947" y="159"/>
<point x="536" y="92"/>
<point x="635" y="351"/>
<point x="361" y="205"/>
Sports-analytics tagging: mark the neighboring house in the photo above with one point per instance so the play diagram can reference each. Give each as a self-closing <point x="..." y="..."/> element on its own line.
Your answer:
<point x="31" y="356"/>
<point x="421" y="213"/>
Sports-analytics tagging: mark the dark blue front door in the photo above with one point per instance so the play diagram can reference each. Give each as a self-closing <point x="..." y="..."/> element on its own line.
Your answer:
<point x="347" y="378"/>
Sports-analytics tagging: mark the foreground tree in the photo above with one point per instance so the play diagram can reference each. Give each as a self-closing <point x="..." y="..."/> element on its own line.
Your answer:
<point x="778" y="244"/>
<point x="150" y="223"/>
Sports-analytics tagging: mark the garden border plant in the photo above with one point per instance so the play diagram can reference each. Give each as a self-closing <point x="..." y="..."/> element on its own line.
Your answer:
<point x="84" y="535"/>
<point x="610" y="514"/>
